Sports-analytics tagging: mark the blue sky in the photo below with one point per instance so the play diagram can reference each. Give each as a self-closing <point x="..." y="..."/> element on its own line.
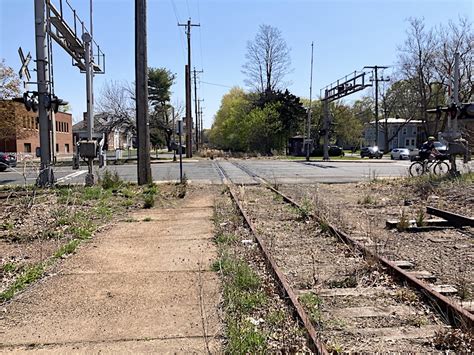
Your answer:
<point x="347" y="36"/>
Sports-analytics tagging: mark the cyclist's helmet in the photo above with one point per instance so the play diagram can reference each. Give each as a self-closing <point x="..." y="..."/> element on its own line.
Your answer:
<point x="431" y="139"/>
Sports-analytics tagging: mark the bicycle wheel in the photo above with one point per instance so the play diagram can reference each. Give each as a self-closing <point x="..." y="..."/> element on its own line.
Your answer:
<point x="441" y="168"/>
<point x="416" y="169"/>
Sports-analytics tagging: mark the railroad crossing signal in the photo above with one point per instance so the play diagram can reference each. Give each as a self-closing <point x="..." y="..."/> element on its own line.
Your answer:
<point x="24" y="71"/>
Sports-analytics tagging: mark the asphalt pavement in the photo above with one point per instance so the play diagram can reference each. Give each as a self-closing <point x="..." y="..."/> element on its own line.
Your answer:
<point x="205" y="171"/>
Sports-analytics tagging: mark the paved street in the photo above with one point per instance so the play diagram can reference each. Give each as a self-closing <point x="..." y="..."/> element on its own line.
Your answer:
<point x="207" y="171"/>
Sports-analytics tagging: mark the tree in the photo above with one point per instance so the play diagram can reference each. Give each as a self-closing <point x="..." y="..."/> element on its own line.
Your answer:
<point x="268" y="60"/>
<point x="115" y="108"/>
<point x="9" y="82"/>
<point x="426" y="62"/>
<point x="160" y="81"/>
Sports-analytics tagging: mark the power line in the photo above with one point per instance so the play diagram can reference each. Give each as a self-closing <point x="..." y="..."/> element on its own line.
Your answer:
<point x="214" y="84"/>
<point x="175" y="10"/>
<point x="200" y="37"/>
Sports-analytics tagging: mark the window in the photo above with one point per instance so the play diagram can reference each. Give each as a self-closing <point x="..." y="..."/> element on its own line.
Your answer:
<point x="414" y="130"/>
<point x="66" y="148"/>
<point x="407" y="142"/>
<point x="57" y="148"/>
<point x="67" y="127"/>
<point x="413" y="141"/>
<point x="404" y="130"/>
<point x="27" y="147"/>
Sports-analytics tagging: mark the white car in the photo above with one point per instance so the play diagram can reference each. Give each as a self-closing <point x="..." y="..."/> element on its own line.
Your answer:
<point x="400" y="153"/>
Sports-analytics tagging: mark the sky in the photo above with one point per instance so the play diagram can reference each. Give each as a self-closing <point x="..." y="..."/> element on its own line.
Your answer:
<point x="347" y="35"/>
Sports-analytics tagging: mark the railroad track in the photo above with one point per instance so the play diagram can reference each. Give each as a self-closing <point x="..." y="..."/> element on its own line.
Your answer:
<point x="341" y="291"/>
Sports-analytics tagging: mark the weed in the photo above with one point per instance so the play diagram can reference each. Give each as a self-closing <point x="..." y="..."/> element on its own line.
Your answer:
<point x="128" y="203"/>
<point x="454" y="339"/>
<point x="404" y="223"/>
<point x="367" y="200"/>
<point x="148" y="200"/>
<point x="181" y="187"/>
<point x="130" y="220"/>
<point x="417" y="320"/>
<point x="28" y="276"/>
<point x="9" y="267"/>
<point x="7" y="226"/>
<point x="346" y="282"/>
<point x="110" y="180"/>
<point x="147" y="219"/>
<point x="324" y="226"/>
<point x="312" y="303"/>
<point x="245" y="338"/>
<point x="405" y="295"/>
<point x="276" y="317"/>
<point x="225" y="238"/>
<point x="127" y="193"/>
<point x="334" y="348"/>
<point x="420" y="217"/>
<point x="92" y="193"/>
<point x="68" y="248"/>
<point x="304" y="210"/>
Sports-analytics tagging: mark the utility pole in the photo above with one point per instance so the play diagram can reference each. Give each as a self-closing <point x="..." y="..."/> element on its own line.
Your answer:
<point x="46" y="177"/>
<point x="200" y="120"/>
<point x="376" y="68"/>
<point x="189" y="119"/>
<point x="308" y="144"/>
<point x="141" y="79"/>
<point x="196" y="107"/>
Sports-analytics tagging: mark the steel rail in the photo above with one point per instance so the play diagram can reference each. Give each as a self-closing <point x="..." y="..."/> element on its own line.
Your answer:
<point x="454" y="313"/>
<point x="314" y="341"/>
<point x="453" y="218"/>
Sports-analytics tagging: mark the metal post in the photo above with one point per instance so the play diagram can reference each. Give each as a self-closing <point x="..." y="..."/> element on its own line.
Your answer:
<point x="376" y="109"/>
<point x="326" y="130"/>
<point x="180" y="150"/>
<point x="86" y="37"/>
<point x="46" y="177"/>
<point x="141" y="79"/>
<point x="189" y="119"/>
<point x="308" y="144"/>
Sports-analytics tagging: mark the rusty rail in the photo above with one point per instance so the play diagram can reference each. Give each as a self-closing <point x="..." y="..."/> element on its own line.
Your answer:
<point x="455" y="314"/>
<point x="454" y="219"/>
<point x="314" y="342"/>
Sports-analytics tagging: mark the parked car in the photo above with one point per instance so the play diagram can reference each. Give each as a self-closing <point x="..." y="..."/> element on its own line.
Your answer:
<point x="371" y="152"/>
<point x="400" y="153"/>
<point x="6" y="161"/>
<point x="333" y="151"/>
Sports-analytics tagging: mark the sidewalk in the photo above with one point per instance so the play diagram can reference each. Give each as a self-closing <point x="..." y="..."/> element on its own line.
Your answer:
<point x="139" y="287"/>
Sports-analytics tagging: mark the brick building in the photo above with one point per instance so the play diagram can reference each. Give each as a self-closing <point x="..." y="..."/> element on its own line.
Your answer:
<point x="19" y="130"/>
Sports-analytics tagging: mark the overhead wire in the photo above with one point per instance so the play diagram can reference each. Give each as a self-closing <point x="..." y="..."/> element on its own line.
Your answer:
<point x="181" y="35"/>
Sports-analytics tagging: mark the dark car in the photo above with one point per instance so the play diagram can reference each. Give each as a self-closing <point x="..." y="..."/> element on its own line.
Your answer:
<point x="371" y="152"/>
<point x="333" y="151"/>
<point x="6" y="161"/>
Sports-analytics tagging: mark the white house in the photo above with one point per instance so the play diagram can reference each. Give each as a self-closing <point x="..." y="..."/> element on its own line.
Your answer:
<point x="405" y="134"/>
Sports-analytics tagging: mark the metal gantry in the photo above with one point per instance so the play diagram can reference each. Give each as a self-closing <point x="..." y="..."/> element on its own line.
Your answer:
<point x="345" y="86"/>
<point x="50" y="24"/>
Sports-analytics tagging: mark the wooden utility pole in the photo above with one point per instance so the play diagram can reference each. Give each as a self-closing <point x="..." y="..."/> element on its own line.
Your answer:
<point x="189" y="118"/>
<point x="141" y="92"/>
<point x="196" y="111"/>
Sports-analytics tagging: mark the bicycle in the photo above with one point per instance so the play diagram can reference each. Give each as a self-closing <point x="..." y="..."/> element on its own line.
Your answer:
<point x="437" y="167"/>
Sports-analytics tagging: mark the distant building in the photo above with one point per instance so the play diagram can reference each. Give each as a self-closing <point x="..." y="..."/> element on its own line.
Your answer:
<point x="405" y="134"/>
<point x="117" y="138"/>
<point x="19" y="130"/>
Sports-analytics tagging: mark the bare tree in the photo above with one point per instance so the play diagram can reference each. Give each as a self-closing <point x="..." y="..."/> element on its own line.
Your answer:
<point x="268" y="60"/>
<point x="115" y="108"/>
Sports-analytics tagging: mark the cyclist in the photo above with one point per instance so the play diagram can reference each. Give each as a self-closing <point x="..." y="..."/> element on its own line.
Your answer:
<point x="428" y="150"/>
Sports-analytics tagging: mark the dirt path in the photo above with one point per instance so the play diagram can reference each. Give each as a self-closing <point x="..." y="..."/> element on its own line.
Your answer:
<point x="143" y="286"/>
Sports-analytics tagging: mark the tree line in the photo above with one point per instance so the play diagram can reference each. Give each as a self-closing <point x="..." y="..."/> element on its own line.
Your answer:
<point x="265" y="117"/>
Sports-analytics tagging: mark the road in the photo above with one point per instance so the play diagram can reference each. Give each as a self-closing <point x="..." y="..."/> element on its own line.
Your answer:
<point x="207" y="172"/>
